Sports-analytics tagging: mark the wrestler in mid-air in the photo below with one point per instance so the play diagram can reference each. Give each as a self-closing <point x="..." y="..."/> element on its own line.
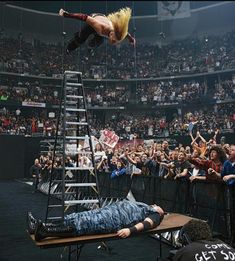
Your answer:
<point x="114" y="27"/>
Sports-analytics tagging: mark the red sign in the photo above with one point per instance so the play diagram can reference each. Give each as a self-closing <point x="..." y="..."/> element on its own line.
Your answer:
<point x="108" y="138"/>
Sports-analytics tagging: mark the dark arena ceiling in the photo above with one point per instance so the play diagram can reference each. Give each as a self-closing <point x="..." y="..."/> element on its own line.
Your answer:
<point x="46" y="22"/>
<point x="140" y="7"/>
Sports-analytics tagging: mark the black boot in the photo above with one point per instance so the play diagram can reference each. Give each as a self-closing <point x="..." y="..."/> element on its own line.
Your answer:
<point x="43" y="231"/>
<point x="33" y="222"/>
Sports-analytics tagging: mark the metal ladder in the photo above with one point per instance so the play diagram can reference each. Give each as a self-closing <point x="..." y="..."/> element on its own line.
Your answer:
<point x="72" y="187"/>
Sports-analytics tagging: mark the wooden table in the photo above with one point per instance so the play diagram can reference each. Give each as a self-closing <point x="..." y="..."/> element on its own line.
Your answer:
<point x="171" y="222"/>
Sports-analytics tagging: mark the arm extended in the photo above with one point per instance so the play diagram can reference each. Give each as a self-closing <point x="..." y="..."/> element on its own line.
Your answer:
<point x="147" y="224"/>
<point x="98" y="26"/>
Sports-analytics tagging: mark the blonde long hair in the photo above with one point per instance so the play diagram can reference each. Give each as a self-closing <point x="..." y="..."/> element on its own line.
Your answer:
<point x="120" y="21"/>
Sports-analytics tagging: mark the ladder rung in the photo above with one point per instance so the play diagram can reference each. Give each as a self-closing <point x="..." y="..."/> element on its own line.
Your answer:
<point x="74" y="109"/>
<point x="72" y="88"/>
<point x="69" y="202"/>
<point x="54" y="206"/>
<point x="60" y="193"/>
<point x="79" y="168"/>
<point x="76" y="137"/>
<point x="80" y="185"/>
<point x="47" y="141"/>
<point x="72" y="84"/>
<point x="74" y="96"/>
<point x="68" y="89"/>
<point x="54" y="218"/>
<point x="71" y="102"/>
<point x="60" y="180"/>
<point x="84" y="152"/>
<point x="71" y="78"/>
<point x="72" y="72"/>
<point x="76" y="123"/>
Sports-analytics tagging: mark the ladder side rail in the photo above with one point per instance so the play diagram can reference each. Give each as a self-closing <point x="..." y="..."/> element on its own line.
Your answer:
<point x="64" y="147"/>
<point x="54" y="149"/>
<point x="78" y="131"/>
<point x="90" y="141"/>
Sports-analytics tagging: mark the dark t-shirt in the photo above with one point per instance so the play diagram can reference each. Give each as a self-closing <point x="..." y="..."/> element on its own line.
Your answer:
<point x="153" y="167"/>
<point x="167" y="151"/>
<point x="144" y="167"/>
<point x="35" y="170"/>
<point x="180" y="166"/>
<point x="204" y="250"/>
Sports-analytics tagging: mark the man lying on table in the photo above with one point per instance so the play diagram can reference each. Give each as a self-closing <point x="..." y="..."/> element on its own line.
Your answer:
<point x="124" y="217"/>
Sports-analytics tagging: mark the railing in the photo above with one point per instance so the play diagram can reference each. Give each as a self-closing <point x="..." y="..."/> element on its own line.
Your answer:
<point x="211" y="201"/>
<point x="151" y="79"/>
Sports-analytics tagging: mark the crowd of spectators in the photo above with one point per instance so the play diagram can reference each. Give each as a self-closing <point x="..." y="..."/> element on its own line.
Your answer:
<point x="207" y="119"/>
<point x="211" y="161"/>
<point x="172" y="92"/>
<point x="14" y="122"/>
<point x="151" y="125"/>
<point x="224" y="90"/>
<point x="33" y="91"/>
<point x="147" y="93"/>
<point x="21" y="90"/>
<point x="107" y="96"/>
<point x="186" y="56"/>
<point x="144" y="125"/>
<point x="203" y="160"/>
<point x="168" y="92"/>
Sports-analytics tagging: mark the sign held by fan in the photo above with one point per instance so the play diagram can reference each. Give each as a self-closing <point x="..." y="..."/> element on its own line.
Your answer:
<point x="86" y="144"/>
<point x="108" y="138"/>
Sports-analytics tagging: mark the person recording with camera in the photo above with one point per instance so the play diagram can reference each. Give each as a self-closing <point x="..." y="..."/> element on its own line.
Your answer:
<point x="198" y="244"/>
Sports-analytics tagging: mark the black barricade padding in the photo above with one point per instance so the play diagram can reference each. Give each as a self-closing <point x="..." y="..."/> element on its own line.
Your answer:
<point x="32" y="148"/>
<point x="211" y="203"/>
<point x="117" y="187"/>
<point x="17" y="155"/>
<point x="12" y="157"/>
<point x="169" y="193"/>
<point x="204" y="200"/>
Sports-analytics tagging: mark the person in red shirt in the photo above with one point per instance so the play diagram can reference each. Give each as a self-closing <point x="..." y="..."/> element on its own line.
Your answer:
<point x="33" y="125"/>
<point x="6" y="122"/>
<point x="212" y="166"/>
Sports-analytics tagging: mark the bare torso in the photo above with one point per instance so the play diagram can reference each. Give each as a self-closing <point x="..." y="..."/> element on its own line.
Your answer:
<point x="104" y="25"/>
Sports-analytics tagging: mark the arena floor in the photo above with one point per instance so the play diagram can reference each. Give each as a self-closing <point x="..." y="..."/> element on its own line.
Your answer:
<point x="16" y="199"/>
